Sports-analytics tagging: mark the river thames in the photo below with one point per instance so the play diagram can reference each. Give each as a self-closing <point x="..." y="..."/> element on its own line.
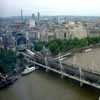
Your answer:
<point x="40" y="85"/>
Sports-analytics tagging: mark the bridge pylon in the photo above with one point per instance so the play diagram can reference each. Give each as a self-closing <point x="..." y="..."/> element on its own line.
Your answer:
<point x="81" y="83"/>
<point x="46" y="63"/>
<point x="61" y="67"/>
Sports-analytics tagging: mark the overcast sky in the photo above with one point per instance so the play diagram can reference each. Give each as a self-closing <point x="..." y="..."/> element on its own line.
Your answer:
<point x="50" y="7"/>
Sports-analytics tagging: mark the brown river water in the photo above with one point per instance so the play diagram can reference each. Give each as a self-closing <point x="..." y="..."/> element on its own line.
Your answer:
<point x="88" y="60"/>
<point x="41" y="85"/>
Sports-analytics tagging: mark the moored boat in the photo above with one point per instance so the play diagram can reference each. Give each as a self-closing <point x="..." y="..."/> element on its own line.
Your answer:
<point x="88" y="50"/>
<point x="28" y="70"/>
<point x="7" y="81"/>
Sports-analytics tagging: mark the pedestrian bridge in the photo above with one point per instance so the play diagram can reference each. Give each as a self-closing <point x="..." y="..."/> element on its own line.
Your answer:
<point x="64" y="72"/>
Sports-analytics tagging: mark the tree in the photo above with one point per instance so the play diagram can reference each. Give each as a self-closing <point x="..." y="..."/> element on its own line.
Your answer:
<point x="58" y="45"/>
<point x="7" y="60"/>
<point x="38" y="46"/>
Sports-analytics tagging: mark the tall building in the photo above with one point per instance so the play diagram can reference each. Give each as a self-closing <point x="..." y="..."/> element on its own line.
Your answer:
<point x="38" y="17"/>
<point x="21" y="15"/>
<point x="33" y="16"/>
<point x="32" y="21"/>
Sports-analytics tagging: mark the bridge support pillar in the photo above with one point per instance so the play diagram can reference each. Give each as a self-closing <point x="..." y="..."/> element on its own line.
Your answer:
<point x="99" y="97"/>
<point x="81" y="84"/>
<point x="34" y="65"/>
<point x="47" y="70"/>
<point x="62" y="76"/>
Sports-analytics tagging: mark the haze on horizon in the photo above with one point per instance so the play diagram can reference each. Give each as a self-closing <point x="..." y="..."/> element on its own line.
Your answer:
<point x="50" y="7"/>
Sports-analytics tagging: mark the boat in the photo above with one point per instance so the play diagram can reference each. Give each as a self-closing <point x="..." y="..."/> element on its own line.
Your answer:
<point x="88" y="50"/>
<point x="28" y="70"/>
<point x="7" y="81"/>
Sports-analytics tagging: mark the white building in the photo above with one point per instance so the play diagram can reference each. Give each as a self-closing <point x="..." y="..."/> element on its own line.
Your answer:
<point x="31" y="23"/>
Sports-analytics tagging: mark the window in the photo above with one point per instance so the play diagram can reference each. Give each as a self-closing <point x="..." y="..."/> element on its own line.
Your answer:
<point x="64" y="35"/>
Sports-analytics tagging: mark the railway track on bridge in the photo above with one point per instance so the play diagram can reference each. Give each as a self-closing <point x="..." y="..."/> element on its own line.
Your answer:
<point x="69" y="71"/>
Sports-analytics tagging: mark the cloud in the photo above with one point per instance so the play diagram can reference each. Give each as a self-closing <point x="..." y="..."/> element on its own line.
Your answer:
<point x="50" y="7"/>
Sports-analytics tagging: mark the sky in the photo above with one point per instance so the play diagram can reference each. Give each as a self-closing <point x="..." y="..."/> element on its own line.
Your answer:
<point x="50" y="7"/>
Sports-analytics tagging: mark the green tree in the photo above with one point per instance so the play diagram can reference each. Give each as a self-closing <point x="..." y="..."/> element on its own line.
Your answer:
<point x="7" y="60"/>
<point x="38" y="46"/>
<point x="58" y="45"/>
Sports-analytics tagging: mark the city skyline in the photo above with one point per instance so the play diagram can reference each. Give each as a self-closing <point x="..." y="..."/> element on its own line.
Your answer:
<point x="50" y="7"/>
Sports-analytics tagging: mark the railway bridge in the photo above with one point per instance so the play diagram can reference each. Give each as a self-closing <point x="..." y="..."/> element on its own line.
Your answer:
<point x="65" y="70"/>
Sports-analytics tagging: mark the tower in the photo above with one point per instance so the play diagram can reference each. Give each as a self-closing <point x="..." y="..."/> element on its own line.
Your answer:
<point x="32" y="21"/>
<point x="38" y="17"/>
<point x="21" y="15"/>
<point x="33" y="16"/>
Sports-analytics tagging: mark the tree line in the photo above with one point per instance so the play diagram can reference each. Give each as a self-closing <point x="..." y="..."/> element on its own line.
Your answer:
<point x="58" y="45"/>
<point x="7" y="60"/>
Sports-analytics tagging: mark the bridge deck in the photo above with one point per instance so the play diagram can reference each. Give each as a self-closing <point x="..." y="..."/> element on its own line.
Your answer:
<point x="96" y="85"/>
<point x="67" y="75"/>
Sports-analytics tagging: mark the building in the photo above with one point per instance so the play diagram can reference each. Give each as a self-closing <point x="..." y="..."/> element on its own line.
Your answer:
<point x="69" y="30"/>
<point x="38" y="18"/>
<point x="32" y="21"/>
<point x="93" y="29"/>
<point x="21" y="41"/>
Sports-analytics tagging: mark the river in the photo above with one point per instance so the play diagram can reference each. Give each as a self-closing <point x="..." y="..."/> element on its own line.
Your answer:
<point x="87" y="60"/>
<point x="41" y="85"/>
